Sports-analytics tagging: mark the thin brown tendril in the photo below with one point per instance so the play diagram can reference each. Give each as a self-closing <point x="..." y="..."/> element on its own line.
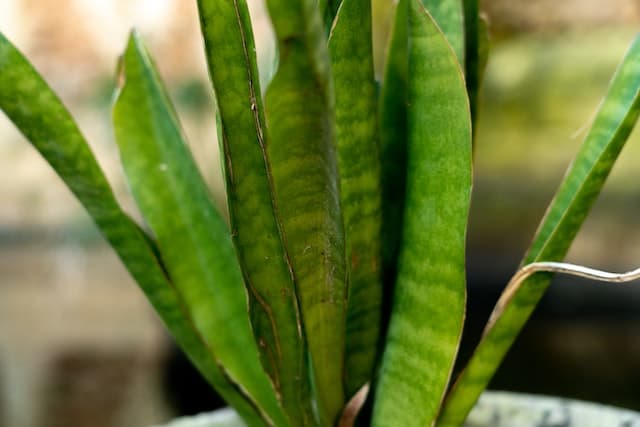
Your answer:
<point x="556" y="267"/>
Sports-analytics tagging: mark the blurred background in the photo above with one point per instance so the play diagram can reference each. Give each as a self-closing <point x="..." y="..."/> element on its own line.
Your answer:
<point x="80" y="346"/>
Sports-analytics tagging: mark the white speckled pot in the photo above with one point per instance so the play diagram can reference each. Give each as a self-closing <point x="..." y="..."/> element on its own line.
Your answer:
<point x="495" y="409"/>
<point x="502" y="409"/>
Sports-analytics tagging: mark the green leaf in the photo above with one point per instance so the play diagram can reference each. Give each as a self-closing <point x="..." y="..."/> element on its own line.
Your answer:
<point x="449" y="15"/>
<point x="393" y="145"/>
<point x="192" y="236"/>
<point x="299" y="110"/>
<point x="38" y="113"/>
<point x="476" y="38"/>
<point x="484" y="47"/>
<point x="329" y="12"/>
<point x="614" y="121"/>
<point x="266" y="264"/>
<point x="351" y="53"/>
<point x="429" y="299"/>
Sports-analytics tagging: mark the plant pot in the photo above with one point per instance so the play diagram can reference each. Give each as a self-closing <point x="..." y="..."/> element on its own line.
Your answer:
<point x="225" y="417"/>
<point x="495" y="409"/>
<point x="504" y="409"/>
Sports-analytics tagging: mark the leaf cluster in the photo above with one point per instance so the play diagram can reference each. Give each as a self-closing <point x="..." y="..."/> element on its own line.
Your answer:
<point x="337" y="293"/>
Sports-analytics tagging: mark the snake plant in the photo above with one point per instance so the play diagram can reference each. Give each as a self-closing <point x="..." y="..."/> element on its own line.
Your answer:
<point x="336" y="292"/>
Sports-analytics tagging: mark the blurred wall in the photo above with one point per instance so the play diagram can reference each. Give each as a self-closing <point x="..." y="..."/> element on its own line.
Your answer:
<point x="545" y="15"/>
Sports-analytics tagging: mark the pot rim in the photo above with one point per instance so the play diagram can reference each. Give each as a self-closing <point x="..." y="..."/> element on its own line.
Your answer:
<point x="494" y="409"/>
